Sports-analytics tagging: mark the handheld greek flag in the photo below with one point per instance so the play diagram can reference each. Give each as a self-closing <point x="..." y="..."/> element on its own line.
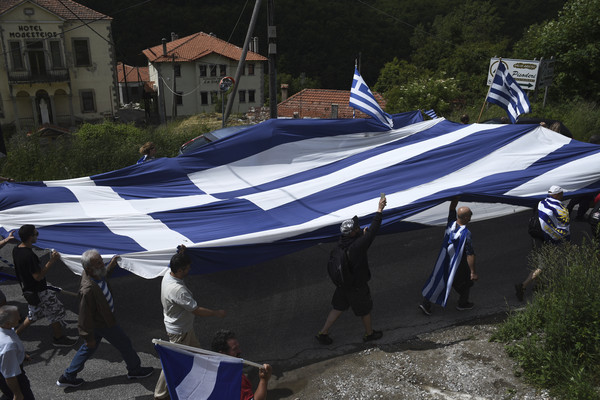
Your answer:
<point x="362" y="99"/>
<point x="200" y="377"/>
<point x="506" y="93"/>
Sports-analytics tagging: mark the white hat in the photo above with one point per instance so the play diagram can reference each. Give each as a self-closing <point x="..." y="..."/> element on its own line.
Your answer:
<point x="554" y="189"/>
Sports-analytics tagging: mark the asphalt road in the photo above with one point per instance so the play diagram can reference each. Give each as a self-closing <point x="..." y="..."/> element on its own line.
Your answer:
<point x="277" y="307"/>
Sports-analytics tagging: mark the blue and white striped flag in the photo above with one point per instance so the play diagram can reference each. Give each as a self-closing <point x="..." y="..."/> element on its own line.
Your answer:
<point x="438" y="286"/>
<point x="287" y="184"/>
<point x="193" y="376"/>
<point x="554" y="220"/>
<point x="506" y="93"/>
<point x="362" y="99"/>
<point x="431" y="113"/>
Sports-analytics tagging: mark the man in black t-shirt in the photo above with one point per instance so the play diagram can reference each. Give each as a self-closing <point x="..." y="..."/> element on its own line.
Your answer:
<point x="42" y="302"/>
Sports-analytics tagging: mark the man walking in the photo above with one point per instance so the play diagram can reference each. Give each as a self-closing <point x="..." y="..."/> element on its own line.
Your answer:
<point x="42" y="302"/>
<point x="97" y="321"/>
<point x="179" y="310"/>
<point x="356" y="294"/>
<point x="455" y="266"/>
<point x="556" y="229"/>
<point x="13" y="382"/>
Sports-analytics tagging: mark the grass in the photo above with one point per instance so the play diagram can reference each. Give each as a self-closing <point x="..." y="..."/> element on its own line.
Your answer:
<point x="556" y="339"/>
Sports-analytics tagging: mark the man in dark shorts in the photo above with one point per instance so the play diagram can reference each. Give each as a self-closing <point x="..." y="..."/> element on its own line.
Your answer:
<point x="355" y="294"/>
<point x="42" y="302"/>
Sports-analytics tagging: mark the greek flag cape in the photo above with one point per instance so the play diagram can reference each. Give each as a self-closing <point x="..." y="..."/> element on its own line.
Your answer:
<point x="193" y="376"/>
<point x="438" y="286"/>
<point x="362" y="99"/>
<point x="554" y="219"/>
<point x="506" y="93"/>
<point x="287" y="184"/>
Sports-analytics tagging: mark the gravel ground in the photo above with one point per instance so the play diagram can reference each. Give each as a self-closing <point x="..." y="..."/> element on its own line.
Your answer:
<point x="455" y="363"/>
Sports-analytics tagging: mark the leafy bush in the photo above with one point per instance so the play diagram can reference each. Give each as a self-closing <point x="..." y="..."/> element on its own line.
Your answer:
<point x="556" y="339"/>
<point x="93" y="149"/>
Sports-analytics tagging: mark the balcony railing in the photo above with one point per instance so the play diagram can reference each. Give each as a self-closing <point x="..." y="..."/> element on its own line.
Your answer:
<point x="52" y="75"/>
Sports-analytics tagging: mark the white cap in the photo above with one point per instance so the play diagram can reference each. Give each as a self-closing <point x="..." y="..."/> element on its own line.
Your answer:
<point x="554" y="189"/>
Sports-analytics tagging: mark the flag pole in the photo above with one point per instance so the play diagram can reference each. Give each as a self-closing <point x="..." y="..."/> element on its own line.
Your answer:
<point x="488" y="92"/>
<point x="202" y="351"/>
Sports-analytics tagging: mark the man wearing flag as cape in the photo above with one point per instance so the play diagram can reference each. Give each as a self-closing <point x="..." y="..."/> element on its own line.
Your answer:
<point x="455" y="265"/>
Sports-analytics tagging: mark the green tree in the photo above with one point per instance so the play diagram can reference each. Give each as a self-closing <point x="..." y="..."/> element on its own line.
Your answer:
<point x="573" y="39"/>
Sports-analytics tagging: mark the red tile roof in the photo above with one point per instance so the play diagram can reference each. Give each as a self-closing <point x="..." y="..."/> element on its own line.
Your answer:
<point x="66" y="9"/>
<point x="316" y="103"/>
<point x="133" y="74"/>
<point x="196" y="46"/>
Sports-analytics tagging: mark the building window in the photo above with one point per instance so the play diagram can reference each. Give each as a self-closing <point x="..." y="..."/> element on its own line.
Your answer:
<point x="88" y="103"/>
<point x="202" y="70"/>
<point x="242" y="94"/>
<point x="204" y="98"/>
<point x="251" y="96"/>
<point x="177" y="70"/>
<point x="223" y="70"/>
<point x="213" y="70"/>
<point x="56" y="54"/>
<point x="214" y="97"/>
<point x="179" y="98"/>
<point x="250" y="69"/>
<point x="81" y="48"/>
<point x="16" y="55"/>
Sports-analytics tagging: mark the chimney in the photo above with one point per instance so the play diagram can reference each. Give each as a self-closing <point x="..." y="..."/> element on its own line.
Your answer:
<point x="253" y="45"/>
<point x="284" y="91"/>
<point x="164" y="43"/>
<point x="334" y="111"/>
<point x="174" y="36"/>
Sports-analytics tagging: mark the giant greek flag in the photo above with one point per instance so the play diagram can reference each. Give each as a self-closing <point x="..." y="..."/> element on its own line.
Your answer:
<point x="284" y="185"/>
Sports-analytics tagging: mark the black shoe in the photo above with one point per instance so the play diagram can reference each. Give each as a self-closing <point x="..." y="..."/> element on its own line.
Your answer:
<point x="466" y="306"/>
<point x="520" y="291"/>
<point x="373" y="336"/>
<point x="324" y="338"/>
<point x="63" y="381"/>
<point x="63" y="341"/>
<point x="139" y="373"/>
<point x="426" y="308"/>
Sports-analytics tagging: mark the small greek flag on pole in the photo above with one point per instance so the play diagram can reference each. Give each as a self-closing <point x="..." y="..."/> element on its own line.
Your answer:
<point x="431" y="113"/>
<point x="506" y="93"/>
<point x="362" y="99"/>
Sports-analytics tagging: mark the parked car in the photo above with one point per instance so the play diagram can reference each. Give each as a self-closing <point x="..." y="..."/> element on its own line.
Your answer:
<point x="563" y="130"/>
<point x="210" y="137"/>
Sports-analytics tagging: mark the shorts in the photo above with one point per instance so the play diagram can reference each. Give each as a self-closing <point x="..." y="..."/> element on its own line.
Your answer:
<point x="359" y="299"/>
<point x="50" y="307"/>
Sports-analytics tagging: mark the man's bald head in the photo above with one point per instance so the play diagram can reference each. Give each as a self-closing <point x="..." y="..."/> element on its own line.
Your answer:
<point x="464" y="215"/>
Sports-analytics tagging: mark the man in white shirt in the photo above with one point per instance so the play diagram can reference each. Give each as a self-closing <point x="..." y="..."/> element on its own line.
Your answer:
<point x="13" y="382"/>
<point x="179" y="310"/>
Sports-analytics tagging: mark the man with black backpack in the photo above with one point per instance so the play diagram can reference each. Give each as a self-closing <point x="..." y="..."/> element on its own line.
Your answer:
<point x="353" y="290"/>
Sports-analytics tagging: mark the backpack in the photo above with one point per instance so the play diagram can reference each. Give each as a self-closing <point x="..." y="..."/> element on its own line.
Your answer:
<point x="535" y="228"/>
<point x="594" y="218"/>
<point x="338" y="267"/>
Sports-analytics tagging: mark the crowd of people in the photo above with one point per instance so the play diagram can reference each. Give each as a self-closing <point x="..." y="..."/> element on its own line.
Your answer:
<point x="454" y="268"/>
<point x="96" y="320"/>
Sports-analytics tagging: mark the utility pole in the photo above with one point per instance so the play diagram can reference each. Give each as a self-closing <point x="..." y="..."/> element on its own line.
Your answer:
<point x="240" y="67"/>
<point x="174" y="113"/>
<point x="272" y="49"/>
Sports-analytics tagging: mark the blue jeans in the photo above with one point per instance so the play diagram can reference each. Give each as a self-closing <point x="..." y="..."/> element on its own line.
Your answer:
<point x="113" y="335"/>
